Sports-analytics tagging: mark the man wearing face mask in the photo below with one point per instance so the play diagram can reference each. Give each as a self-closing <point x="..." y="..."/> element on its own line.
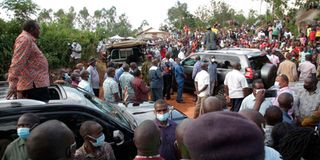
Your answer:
<point x="282" y="84"/>
<point x="308" y="99"/>
<point x="94" y="147"/>
<point x="167" y="129"/>
<point x="16" y="150"/>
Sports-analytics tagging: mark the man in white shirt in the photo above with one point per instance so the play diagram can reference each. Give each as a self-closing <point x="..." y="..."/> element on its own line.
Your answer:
<point x="256" y="100"/>
<point x="84" y="83"/>
<point x="273" y="58"/>
<point x="306" y="68"/>
<point x="235" y="87"/>
<point x="201" y="83"/>
<point x="94" y="76"/>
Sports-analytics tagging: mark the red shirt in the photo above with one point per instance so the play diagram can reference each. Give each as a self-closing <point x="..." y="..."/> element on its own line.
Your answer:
<point x="140" y="90"/>
<point x="29" y="66"/>
<point x="312" y="36"/>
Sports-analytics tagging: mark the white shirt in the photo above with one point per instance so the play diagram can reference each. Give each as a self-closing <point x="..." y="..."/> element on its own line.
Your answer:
<point x="93" y="77"/>
<point x="203" y="78"/>
<point x="181" y="55"/>
<point x="274" y="59"/>
<point x="86" y="86"/>
<point x="305" y="69"/>
<point x="235" y="81"/>
<point x="271" y="154"/>
<point x="249" y="101"/>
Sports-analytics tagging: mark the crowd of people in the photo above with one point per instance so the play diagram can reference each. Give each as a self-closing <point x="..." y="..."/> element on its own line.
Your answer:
<point x="252" y="127"/>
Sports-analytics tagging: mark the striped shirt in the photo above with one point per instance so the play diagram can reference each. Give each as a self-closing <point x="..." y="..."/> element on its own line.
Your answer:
<point x="29" y="67"/>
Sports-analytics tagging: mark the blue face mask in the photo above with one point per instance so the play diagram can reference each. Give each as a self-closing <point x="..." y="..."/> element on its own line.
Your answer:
<point x="163" y="117"/>
<point x="99" y="141"/>
<point x="23" y="133"/>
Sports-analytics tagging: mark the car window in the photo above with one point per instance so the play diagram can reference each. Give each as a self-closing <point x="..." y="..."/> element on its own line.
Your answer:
<point x="257" y="62"/>
<point x="102" y="106"/>
<point x="115" y="54"/>
<point x="225" y="61"/>
<point x="191" y="61"/>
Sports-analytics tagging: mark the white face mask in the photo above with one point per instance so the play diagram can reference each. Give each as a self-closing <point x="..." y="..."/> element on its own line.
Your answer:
<point x="276" y="84"/>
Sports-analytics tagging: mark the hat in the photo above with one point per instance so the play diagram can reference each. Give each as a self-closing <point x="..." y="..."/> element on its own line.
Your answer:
<point x="223" y="136"/>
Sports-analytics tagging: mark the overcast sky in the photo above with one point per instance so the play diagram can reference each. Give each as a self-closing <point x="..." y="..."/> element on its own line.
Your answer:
<point x="154" y="11"/>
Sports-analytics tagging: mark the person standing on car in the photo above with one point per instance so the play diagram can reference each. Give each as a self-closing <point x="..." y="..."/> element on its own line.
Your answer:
<point x="235" y="87"/>
<point x="17" y="149"/>
<point x="125" y="84"/>
<point x="288" y="68"/>
<point x="28" y="74"/>
<point x="84" y="83"/>
<point x="201" y="83"/>
<point x="94" y="76"/>
<point x="167" y="129"/>
<point x="156" y="80"/>
<point x="147" y="140"/>
<point x="212" y="70"/>
<point x="94" y="146"/>
<point x="180" y="76"/>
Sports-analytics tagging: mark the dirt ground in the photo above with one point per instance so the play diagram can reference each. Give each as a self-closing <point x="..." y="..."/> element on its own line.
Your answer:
<point x="187" y="107"/>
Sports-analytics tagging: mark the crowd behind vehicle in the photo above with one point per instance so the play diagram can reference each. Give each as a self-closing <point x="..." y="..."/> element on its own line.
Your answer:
<point x="264" y="117"/>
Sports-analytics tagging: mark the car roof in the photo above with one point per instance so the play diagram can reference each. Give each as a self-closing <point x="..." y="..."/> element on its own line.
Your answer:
<point x="249" y="52"/>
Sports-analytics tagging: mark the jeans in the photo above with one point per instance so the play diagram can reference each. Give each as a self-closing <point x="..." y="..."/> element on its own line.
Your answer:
<point x="179" y="90"/>
<point x="156" y="94"/>
<point x="236" y="104"/>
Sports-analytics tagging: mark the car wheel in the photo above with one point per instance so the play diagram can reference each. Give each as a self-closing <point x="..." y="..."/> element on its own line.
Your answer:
<point x="268" y="74"/>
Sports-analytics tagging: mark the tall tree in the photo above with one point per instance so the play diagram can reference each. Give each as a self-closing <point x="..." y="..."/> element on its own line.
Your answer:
<point x="22" y="9"/>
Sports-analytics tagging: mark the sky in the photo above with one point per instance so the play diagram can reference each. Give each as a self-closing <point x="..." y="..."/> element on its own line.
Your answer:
<point x="154" y="11"/>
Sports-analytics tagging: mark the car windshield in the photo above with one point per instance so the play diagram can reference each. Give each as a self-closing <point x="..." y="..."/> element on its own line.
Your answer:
<point x="100" y="105"/>
<point x="258" y="62"/>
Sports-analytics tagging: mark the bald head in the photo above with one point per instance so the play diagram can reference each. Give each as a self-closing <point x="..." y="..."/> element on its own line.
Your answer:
<point x="147" y="138"/>
<point x="212" y="104"/>
<point x="273" y="115"/>
<point x="236" y="65"/>
<point x="50" y="140"/>
<point x="28" y="120"/>
<point x="180" y="130"/>
<point x="254" y="116"/>
<point x="285" y="101"/>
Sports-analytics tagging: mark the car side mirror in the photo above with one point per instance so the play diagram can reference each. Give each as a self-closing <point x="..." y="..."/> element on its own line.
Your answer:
<point x="118" y="137"/>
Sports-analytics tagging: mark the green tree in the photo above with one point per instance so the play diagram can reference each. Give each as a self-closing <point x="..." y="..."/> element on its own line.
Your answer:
<point x="22" y="9"/>
<point x="179" y="16"/>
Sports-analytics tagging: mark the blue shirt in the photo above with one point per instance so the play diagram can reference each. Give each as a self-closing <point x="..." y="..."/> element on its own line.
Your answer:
<point x="118" y="74"/>
<point x="286" y="117"/>
<point x="179" y="73"/>
<point x="212" y="70"/>
<point x="110" y="87"/>
<point x="168" y="136"/>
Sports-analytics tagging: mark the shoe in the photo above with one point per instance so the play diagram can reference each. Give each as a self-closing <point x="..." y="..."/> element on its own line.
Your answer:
<point x="179" y="101"/>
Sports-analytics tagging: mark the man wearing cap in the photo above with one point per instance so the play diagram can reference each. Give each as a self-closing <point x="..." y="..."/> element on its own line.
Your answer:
<point x="94" y="76"/>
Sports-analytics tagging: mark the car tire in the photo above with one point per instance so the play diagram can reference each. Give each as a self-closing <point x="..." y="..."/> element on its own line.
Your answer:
<point x="268" y="74"/>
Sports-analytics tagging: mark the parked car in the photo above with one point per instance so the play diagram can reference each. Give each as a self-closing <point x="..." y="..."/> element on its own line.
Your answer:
<point x="254" y="64"/>
<point x="74" y="106"/>
<point x="127" y="51"/>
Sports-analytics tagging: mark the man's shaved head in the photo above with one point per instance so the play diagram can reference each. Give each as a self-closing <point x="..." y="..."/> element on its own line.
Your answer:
<point x="212" y="104"/>
<point x="147" y="138"/>
<point x="88" y="127"/>
<point x="50" y="140"/>
<point x="273" y="115"/>
<point x="285" y="101"/>
<point x="28" y="120"/>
